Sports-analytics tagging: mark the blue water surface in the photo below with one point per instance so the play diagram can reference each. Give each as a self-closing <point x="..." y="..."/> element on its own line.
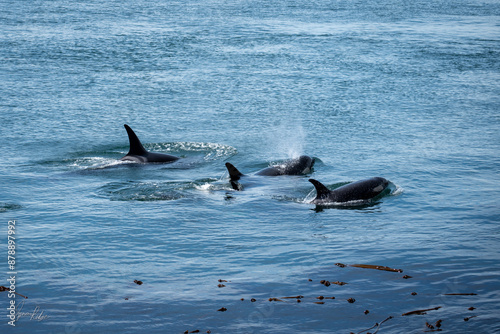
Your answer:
<point x="404" y="90"/>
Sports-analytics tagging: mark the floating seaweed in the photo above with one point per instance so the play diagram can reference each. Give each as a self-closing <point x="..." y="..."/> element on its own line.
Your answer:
<point x="377" y="325"/>
<point x="320" y="300"/>
<point x="293" y="297"/>
<point x="4" y="288"/>
<point x="325" y="283"/>
<point x="434" y="328"/>
<point x="419" y="312"/>
<point x="339" y="283"/>
<point x="369" y="266"/>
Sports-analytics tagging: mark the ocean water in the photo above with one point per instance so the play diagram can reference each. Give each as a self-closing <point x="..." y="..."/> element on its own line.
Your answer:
<point x="409" y="91"/>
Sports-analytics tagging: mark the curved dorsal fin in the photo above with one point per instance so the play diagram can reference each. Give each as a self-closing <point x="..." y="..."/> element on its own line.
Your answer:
<point x="234" y="173"/>
<point x="321" y="191"/>
<point x="136" y="147"/>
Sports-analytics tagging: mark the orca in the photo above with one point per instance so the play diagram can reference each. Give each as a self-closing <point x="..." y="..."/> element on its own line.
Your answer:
<point x="138" y="153"/>
<point x="363" y="190"/>
<point x="299" y="166"/>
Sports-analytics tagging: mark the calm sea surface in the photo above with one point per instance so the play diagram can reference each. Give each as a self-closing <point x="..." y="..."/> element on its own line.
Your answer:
<point x="406" y="90"/>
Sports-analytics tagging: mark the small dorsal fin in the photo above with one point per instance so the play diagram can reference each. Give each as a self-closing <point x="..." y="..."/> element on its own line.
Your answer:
<point x="136" y="147"/>
<point x="321" y="191"/>
<point x="234" y="173"/>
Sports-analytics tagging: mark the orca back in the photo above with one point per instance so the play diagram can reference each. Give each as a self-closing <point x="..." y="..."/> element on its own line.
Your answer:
<point x="355" y="191"/>
<point x="136" y="147"/>
<point x="138" y="153"/>
<point x="234" y="173"/>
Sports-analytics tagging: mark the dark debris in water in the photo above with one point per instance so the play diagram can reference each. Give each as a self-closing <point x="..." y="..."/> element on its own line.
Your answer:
<point x="294" y="297"/>
<point x="370" y="266"/>
<point x="420" y="312"/>
<point x="434" y="328"/>
<point x="4" y="288"/>
<point x="321" y="300"/>
<point x="339" y="283"/>
<point x="4" y="207"/>
<point x="377" y="325"/>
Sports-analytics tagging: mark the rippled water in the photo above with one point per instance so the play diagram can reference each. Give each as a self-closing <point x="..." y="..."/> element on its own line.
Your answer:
<point x="405" y="91"/>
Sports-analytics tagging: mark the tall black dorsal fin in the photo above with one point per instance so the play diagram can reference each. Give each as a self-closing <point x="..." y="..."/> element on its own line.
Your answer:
<point x="234" y="173"/>
<point x="136" y="147"/>
<point x="322" y="192"/>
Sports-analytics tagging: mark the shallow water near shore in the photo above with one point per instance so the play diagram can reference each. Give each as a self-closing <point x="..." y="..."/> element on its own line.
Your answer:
<point x="408" y="92"/>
